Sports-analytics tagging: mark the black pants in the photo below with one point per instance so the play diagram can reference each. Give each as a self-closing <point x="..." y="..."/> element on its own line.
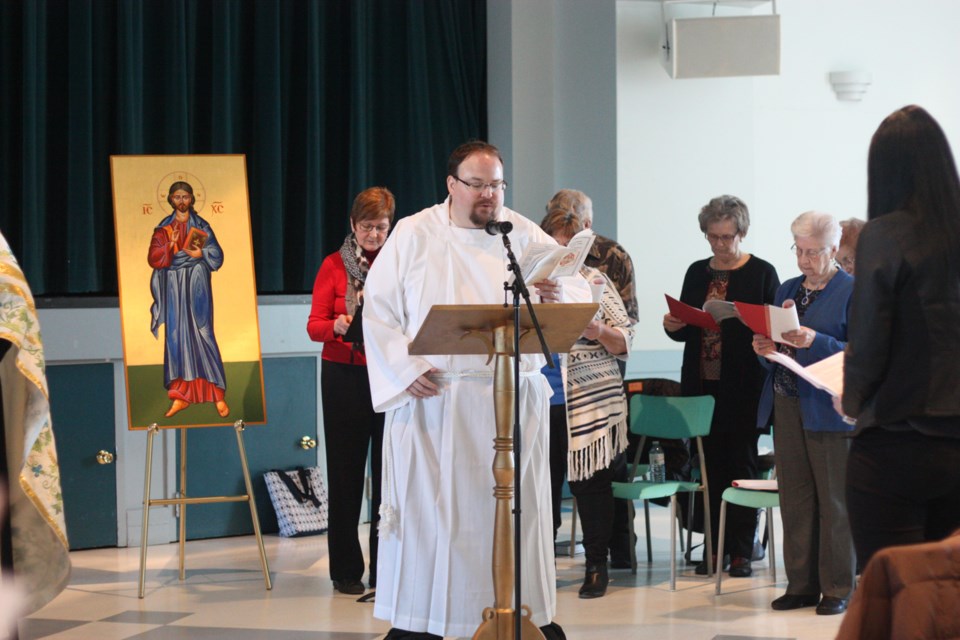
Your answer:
<point x="902" y="488"/>
<point x="350" y="428"/>
<point x="558" y="460"/>
<point x="731" y="456"/>
<point x="595" y="502"/>
<point x="731" y="453"/>
<point x="595" y="506"/>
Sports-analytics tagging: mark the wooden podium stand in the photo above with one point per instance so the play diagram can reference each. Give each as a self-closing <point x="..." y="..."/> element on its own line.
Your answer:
<point x="488" y="329"/>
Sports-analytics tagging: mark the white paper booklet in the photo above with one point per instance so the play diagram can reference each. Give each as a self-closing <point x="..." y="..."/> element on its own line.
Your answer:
<point x="827" y="374"/>
<point x="757" y="485"/>
<point x="782" y="320"/>
<point x="541" y="260"/>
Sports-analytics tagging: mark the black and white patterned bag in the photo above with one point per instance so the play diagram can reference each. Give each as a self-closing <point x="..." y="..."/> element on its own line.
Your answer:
<point x="299" y="499"/>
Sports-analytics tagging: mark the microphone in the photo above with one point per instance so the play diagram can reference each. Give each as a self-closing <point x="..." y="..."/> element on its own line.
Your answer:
<point x="494" y="227"/>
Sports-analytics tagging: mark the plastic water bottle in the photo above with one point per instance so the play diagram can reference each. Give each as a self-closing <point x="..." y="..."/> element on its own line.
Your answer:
<point x="658" y="463"/>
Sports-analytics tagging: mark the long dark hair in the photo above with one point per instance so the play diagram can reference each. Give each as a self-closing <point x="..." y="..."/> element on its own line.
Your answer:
<point x="911" y="168"/>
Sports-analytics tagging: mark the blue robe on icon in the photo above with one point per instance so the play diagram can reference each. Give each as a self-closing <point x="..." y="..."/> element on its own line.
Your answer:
<point x="183" y="300"/>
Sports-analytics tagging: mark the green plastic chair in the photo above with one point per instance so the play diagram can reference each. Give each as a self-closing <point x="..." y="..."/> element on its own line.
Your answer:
<point x="676" y="418"/>
<point x="753" y="499"/>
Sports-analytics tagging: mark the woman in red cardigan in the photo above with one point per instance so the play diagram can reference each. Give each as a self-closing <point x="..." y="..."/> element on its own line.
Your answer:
<point x="350" y="426"/>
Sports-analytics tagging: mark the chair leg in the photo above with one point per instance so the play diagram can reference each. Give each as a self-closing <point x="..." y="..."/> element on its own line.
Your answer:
<point x="632" y="515"/>
<point x="573" y="529"/>
<point x="723" y="528"/>
<point x="773" y="544"/>
<point x="693" y="496"/>
<point x="673" y="544"/>
<point x="646" y="520"/>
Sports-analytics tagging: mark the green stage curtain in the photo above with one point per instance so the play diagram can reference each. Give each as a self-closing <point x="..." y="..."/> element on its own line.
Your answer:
<point x="324" y="97"/>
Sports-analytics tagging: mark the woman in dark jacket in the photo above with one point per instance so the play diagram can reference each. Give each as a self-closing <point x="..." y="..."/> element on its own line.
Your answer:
<point x="902" y="364"/>
<point x="723" y="364"/>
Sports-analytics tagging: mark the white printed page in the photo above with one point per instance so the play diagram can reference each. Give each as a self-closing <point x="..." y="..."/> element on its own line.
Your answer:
<point x="826" y="374"/>
<point x="782" y="319"/>
<point x="830" y="372"/>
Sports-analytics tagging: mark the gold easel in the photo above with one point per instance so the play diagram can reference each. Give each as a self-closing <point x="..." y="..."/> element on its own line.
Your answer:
<point x="488" y="329"/>
<point x="183" y="501"/>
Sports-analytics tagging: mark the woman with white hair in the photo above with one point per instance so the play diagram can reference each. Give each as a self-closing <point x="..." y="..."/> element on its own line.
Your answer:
<point x="810" y="439"/>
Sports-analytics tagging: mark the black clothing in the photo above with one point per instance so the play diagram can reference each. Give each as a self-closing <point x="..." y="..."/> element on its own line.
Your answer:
<point x="741" y="375"/>
<point x="901" y="380"/>
<point x="595" y="501"/>
<point x="731" y="447"/>
<point x="903" y="487"/>
<point x="903" y="354"/>
<point x="350" y="429"/>
<point x="595" y="506"/>
<point x="558" y="461"/>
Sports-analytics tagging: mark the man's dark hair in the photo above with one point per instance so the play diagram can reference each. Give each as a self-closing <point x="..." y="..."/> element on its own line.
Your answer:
<point x="179" y="185"/>
<point x="910" y="167"/>
<point x="467" y="149"/>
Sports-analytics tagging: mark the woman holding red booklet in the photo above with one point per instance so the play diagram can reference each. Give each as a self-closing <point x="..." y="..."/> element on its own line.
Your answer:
<point x="810" y="439"/>
<point x="722" y="364"/>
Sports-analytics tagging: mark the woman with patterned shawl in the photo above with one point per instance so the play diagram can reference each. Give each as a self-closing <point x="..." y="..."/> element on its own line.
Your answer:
<point x="350" y="425"/>
<point x="39" y="540"/>
<point x="591" y="432"/>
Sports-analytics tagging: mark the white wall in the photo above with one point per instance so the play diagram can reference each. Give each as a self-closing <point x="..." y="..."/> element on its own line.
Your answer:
<point x="552" y="82"/>
<point x="783" y="143"/>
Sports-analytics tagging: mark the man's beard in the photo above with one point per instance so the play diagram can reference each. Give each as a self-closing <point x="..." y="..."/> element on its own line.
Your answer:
<point x="480" y="218"/>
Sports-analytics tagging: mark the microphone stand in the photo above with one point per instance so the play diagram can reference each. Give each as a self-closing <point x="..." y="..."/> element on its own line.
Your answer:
<point x="519" y="288"/>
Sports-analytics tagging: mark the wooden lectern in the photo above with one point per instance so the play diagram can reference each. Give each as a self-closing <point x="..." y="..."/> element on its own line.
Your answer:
<point x="488" y="329"/>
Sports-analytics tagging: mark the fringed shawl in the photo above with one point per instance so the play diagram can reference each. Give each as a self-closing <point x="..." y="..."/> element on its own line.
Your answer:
<point x="596" y="403"/>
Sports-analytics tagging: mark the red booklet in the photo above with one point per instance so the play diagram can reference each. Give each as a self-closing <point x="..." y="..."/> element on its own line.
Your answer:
<point x="769" y="320"/>
<point x="691" y="315"/>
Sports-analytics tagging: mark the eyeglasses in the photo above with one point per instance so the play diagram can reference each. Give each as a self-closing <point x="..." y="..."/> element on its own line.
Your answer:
<point x="847" y="262"/>
<point x="811" y="254"/>
<point x="713" y="238"/>
<point x="480" y="187"/>
<point x="366" y="227"/>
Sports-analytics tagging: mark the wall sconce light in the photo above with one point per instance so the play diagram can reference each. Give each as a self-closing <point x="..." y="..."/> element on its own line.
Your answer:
<point x="850" y="85"/>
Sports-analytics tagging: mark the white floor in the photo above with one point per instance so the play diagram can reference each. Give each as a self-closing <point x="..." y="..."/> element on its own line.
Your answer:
<point x="224" y="596"/>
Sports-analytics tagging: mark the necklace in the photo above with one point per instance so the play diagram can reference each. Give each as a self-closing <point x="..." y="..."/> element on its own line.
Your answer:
<point x="805" y="300"/>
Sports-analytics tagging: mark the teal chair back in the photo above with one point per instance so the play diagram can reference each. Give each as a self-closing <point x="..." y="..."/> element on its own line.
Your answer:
<point x="668" y="418"/>
<point x="671" y="416"/>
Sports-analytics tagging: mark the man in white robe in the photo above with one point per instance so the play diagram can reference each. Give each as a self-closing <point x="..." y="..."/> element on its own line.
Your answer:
<point x="434" y="568"/>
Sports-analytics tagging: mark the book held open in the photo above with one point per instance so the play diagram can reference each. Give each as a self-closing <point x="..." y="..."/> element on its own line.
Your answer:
<point x="769" y="320"/>
<point x="713" y="313"/>
<point x="541" y="261"/>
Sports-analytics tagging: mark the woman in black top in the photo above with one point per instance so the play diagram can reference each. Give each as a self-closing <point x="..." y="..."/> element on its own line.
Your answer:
<point x="723" y="364"/>
<point x="902" y="374"/>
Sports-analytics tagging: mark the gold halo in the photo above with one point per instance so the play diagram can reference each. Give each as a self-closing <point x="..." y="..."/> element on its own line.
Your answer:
<point x="199" y="192"/>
